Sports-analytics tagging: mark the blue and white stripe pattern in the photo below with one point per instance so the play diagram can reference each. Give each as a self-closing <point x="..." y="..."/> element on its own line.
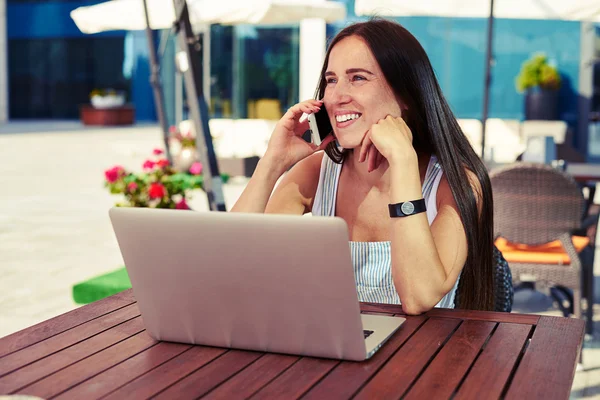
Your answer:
<point x="372" y="260"/>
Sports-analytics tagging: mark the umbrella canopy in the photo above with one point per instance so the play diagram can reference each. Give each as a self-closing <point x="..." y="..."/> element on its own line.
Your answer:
<point x="129" y="14"/>
<point x="573" y="10"/>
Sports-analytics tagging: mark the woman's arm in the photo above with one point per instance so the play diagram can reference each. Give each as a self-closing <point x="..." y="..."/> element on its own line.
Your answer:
<point x="293" y="195"/>
<point x="426" y="261"/>
<point x="256" y="195"/>
<point x="286" y="148"/>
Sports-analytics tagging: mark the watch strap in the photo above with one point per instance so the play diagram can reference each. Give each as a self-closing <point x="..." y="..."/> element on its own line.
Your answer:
<point x="407" y="208"/>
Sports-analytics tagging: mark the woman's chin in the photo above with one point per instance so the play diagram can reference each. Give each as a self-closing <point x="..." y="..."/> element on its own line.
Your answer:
<point x="349" y="143"/>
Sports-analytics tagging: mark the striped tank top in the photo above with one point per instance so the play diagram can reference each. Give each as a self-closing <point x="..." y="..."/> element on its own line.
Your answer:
<point x="372" y="260"/>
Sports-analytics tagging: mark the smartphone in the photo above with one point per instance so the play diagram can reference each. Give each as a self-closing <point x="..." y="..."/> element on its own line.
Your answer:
<point x="320" y="126"/>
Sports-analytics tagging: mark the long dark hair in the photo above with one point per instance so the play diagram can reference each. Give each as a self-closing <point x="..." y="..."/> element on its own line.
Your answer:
<point x="435" y="129"/>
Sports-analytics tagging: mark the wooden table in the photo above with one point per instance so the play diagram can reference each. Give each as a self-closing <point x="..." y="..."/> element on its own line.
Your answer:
<point x="102" y="349"/>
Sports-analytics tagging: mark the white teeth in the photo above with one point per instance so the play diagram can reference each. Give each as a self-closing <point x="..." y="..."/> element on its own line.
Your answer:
<point x="346" y="117"/>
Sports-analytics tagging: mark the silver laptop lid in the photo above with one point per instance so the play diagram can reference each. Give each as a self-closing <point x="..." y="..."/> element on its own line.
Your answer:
<point x="276" y="283"/>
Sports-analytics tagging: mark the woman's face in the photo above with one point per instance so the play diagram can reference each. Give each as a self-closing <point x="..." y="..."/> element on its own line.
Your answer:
<point x="356" y="94"/>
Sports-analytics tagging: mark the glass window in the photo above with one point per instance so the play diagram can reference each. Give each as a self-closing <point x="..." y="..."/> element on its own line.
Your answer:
<point x="221" y="71"/>
<point x="50" y="78"/>
<point x="265" y="75"/>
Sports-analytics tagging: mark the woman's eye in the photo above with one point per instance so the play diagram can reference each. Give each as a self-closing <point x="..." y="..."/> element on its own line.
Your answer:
<point x="331" y="80"/>
<point x="358" y="78"/>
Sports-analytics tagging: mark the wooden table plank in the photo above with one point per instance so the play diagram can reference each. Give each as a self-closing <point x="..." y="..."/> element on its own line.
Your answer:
<point x="398" y="374"/>
<point x="528" y="319"/>
<point x="63" y="340"/>
<point x="89" y="367"/>
<point x="210" y="376"/>
<point x="446" y="371"/>
<point x="298" y="379"/>
<point x="167" y="374"/>
<point x="55" y="362"/>
<point x="548" y="365"/>
<point x="492" y="369"/>
<point x="123" y="373"/>
<point x="64" y="322"/>
<point x="389" y="309"/>
<point x="254" y="377"/>
<point x="347" y="378"/>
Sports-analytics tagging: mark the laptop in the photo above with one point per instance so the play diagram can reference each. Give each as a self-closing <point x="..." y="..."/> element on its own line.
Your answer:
<point x="263" y="282"/>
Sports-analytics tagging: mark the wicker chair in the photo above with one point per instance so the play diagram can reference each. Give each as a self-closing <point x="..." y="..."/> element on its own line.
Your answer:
<point x="535" y="204"/>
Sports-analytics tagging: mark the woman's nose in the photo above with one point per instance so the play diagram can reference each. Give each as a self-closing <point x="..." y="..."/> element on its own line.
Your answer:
<point x="340" y="93"/>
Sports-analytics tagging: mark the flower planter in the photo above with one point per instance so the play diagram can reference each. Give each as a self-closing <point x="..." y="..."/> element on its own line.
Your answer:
<point x="124" y="115"/>
<point x="541" y="104"/>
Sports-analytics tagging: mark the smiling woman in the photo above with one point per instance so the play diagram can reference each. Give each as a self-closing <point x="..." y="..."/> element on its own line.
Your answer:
<point x="397" y="168"/>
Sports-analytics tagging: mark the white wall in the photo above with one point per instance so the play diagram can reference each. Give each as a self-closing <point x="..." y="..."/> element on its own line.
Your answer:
<point x="3" y="64"/>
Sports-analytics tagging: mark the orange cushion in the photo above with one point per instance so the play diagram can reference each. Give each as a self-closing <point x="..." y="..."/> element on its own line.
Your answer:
<point x="549" y="253"/>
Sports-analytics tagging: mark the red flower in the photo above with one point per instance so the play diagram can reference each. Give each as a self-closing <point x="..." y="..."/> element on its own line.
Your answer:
<point x="157" y="152"/>
<point x="196" y="168"/>
<point x="149" y="164"/>
<point x="113" y="174"/>
<point x="182" y="205"/>
<point x="132" y="187"/>
<point x="157" y="191"/>
<point x="162" y="163"/>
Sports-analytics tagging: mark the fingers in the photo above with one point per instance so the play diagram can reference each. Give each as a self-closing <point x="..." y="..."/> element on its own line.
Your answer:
<point x="365" y="147"/>
<point x="308" y="107"/>
<point x="372" y="165"/>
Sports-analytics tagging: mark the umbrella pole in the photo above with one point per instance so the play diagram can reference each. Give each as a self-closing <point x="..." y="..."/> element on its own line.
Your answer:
<point x="488" y="76"/>
<point x="156" y="85"/>
<point x="189" y="66"/>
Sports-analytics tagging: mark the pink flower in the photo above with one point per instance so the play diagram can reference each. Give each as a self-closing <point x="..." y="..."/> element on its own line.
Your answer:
<point x="132" y="187"/>
<point x="157" y="191"/>
<point x="114" y="174"/>
<point x="157" y="152"/>
<point x="149" y="164"/>
<point x="162" y="163"/>
<point x="196" y="168"/>
<point x="172" y="129"/>
<point x="182" y="205"/>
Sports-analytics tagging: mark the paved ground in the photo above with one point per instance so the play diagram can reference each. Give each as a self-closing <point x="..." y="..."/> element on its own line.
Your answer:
<point x="55" y="232"/>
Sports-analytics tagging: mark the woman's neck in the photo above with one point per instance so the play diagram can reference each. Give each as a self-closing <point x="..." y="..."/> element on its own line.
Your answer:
<point x="379" y="178"/>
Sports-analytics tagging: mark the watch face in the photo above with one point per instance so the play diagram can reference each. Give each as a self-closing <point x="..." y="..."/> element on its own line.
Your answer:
<point x="407" y="208"/>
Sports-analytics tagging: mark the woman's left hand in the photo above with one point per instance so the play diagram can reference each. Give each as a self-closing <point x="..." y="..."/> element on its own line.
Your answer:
<point x="389" y="138"/>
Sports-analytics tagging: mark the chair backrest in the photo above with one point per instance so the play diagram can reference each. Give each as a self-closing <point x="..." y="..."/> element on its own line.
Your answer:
<point x="534" y="203"/>
<point x="503" y="287"/>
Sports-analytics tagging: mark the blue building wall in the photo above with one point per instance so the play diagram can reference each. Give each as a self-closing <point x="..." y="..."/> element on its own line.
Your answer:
<point x="51" y="20"/>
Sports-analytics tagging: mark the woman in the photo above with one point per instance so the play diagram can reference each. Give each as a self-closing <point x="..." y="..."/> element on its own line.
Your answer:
<point x="394" y="140"/>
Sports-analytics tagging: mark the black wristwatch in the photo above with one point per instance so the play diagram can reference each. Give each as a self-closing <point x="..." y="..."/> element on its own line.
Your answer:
<point x="407" y="208"/>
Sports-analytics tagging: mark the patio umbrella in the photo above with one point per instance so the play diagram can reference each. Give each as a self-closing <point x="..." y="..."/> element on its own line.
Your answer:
<point x="129" y="14"/>
<point x="572" y="10"/>
<point x="196" y="15"/>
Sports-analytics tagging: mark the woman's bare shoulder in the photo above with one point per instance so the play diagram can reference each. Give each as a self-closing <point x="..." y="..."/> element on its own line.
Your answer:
<point x="295" y="192"/>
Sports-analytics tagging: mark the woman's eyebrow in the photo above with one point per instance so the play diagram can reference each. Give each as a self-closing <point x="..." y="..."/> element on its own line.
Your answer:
<point x="350" y="71"/>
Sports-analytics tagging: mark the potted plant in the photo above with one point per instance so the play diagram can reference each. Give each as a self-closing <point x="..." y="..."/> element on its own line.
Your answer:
<point x="158" y="186"/>
<point x="540" y="81"/>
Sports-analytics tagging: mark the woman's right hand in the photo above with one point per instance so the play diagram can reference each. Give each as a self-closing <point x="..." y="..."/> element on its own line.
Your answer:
<point x="286" y="146"/>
